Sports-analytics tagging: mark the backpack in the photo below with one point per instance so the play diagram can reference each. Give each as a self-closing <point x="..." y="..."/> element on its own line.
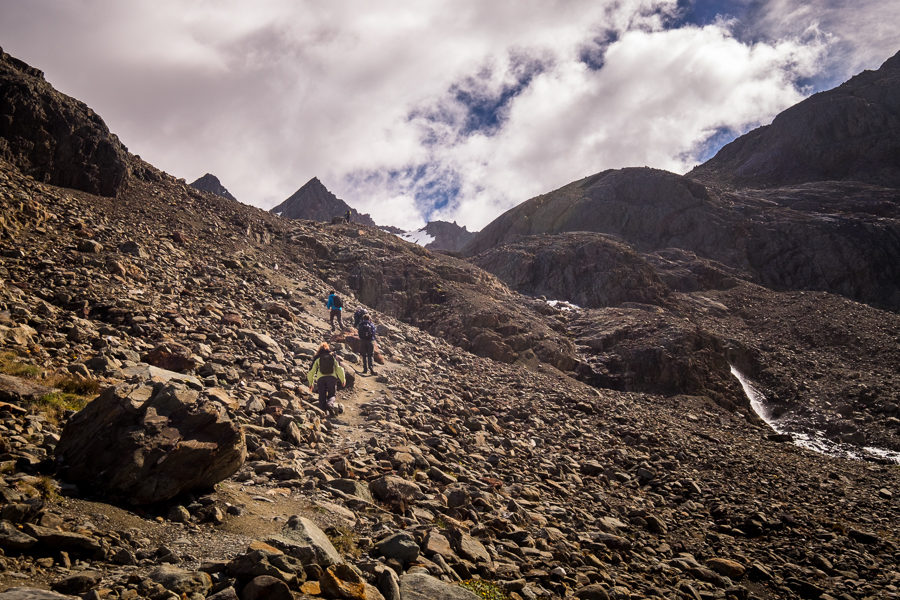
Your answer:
<point x="326" y="364"/>
<point x="366" y="330"/>
<point x="336" y="302"/>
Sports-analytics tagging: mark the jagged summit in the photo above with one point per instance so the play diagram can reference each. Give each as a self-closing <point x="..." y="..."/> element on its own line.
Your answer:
<point x="851" y="132"/>
<point x="314" y="202"/>
<point x="210" y="183"/>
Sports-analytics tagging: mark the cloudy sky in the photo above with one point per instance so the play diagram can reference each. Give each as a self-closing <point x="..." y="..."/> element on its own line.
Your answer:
<point x="430" y="109"/>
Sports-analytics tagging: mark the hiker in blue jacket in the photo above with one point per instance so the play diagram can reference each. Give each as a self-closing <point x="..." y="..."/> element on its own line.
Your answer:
<point x="336" y="305"/>
<point x="367" y="334"/>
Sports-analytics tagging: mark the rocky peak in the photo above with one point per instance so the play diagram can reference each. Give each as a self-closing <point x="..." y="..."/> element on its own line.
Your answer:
<point x="54" y="138"/>
<point x="314" y="202"/>
<point x="649" y="207"/>
<point x="851" y="132"/>
<point x="438" y="235"/>
<point x="210" y="183"/>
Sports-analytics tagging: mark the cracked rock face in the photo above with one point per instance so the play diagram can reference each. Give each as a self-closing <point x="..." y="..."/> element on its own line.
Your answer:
<point x="587" y="269"/>
<point x="55" y="138"/>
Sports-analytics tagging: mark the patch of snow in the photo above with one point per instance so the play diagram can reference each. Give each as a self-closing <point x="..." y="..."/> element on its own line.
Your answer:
<point x="563" y="305"/>
<point x="278" y="214"/>
<point x="813" y="440"/>
<point x="419" y="237"/>
<point x="882" y="453"/>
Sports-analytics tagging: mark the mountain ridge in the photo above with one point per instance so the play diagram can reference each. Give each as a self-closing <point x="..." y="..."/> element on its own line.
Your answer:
<point x="439" y="235"/>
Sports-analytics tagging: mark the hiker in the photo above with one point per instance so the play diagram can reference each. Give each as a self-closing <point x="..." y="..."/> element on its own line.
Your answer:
<point x="336" y="305"/>
<point x="357" y="316"/>
<point x="366" y="333"/>
<point x="324" y="375"/>
<point x="347" y="215"/>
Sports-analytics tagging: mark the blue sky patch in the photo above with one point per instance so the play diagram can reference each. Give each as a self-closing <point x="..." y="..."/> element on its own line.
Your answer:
<point x="704" y="12"/>
<point x="712" y="144"/>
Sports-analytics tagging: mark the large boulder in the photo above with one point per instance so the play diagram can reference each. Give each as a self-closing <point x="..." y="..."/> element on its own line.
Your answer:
<point x="144" y="444"/>
<point x="181" y="581"/>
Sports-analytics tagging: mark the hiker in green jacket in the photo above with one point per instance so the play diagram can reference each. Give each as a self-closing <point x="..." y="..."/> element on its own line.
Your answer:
<point x="324" y="375"/>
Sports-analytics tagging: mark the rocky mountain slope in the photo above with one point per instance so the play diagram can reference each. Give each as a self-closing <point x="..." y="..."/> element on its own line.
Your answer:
<point x="837" y="238"/>
<point x="210" y="183"/>
<point x="849" y="133"/>
<point x="314" y="202"/>
<point x="532" y="451"/>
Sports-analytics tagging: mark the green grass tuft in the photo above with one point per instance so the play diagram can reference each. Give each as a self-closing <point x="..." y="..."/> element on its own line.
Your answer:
<point x="11" y="365"/>
<point x="484" y="589"/>
<point x="344" y="540"/>
<point x="74" y="392"/>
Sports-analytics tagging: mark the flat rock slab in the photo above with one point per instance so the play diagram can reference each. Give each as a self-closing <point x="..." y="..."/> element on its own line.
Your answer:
<point x="64" y="540"/>
<point x="301" y="538"/>
<point x="145" y="372"/>
<point x="421" y="586"/>
<point x="13" y="539"/>
<point x="27" y="593"/>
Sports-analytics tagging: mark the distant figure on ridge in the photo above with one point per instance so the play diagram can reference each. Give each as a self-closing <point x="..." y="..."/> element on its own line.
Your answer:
<point x="323" y="377"/>
<point x="366" y="333"/>
<point x="336" y="305"/>
<point x="347" y="215"/>
<point x="357" y="316"/>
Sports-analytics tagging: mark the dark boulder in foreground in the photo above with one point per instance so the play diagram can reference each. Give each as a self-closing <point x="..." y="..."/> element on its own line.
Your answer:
<point x="145" y="444"/>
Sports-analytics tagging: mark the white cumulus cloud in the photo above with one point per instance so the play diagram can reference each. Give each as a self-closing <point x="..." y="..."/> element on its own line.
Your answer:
<point x="448" y="109"/>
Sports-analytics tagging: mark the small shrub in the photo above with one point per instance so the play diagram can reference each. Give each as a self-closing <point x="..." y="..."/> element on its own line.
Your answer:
<point x="55" y="404"/>
<point x="74" y="391"/>
<point x="73" y="384"/>
<point x="47" y="488"/>
<point x="484" y="589"/>
<point x="43" y="486"/>
<point x="344" y="540"/>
